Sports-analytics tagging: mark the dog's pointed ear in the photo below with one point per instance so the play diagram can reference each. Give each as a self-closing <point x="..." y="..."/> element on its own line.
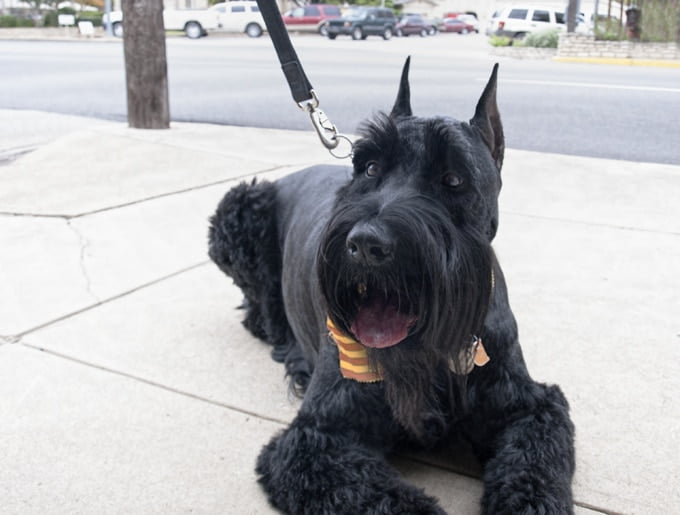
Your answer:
<point x="402" y="107"/>
<point x="487" y="120"/>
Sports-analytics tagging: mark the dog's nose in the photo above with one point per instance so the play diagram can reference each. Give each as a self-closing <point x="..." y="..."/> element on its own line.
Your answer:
<point x="369" y="245"/>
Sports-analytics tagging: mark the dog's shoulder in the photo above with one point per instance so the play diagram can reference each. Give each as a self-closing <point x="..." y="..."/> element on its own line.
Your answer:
<point x="312" y="181"/>
<point x="307" y="196"/>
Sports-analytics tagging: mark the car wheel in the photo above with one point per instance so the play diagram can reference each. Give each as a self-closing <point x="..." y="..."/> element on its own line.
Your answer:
<point x="193" y="30"/>
<point x="432" y="31"/>
<point x="399" y="33"/>
<point x="519" y="36"/>
<point x="423" y="33"/>
<point x="332" y="36"/>
<point x="117" y="29"/>
<point x="323" y="29"/>
<point x="464" y="31"/>
<point x="253" y="30"/>
<point x="387" y="33"/>
<point x="357" y="33"/>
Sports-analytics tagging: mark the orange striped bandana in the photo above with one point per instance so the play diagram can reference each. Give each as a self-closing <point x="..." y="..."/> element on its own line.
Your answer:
<point x="353" y="357"/>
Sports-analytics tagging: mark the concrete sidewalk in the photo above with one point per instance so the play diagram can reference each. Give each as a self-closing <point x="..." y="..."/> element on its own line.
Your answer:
<point x="127" y="384"/>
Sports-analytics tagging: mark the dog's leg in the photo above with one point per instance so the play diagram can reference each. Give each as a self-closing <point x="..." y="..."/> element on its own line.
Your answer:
<point x="331" y="459"/>
<point x="520" y="428"/>
<point x="243" y="242"/>
<point x="530" y="466"/>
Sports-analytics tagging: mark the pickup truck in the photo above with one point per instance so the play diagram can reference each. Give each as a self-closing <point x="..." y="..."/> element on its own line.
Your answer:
<point x="194" y="22"/>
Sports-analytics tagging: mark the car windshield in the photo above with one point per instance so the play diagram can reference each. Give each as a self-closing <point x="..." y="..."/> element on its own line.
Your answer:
<point x="356" y="14"/>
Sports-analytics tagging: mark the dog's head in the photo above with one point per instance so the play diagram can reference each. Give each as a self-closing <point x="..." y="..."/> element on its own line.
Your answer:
<point x="405" y="263"/>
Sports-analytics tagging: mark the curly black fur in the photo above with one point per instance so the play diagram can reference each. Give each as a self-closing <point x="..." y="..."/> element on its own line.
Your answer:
<point x="405" y="236"/>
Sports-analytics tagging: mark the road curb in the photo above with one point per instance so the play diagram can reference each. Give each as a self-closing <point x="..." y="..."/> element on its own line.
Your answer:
<point x="659" y="63"/>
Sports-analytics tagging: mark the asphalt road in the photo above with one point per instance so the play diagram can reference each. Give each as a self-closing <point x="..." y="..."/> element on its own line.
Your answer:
<point x="607" y="111"/>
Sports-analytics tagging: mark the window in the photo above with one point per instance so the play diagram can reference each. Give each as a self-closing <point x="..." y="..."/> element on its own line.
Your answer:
<point x="518" y="14"/>
<point x="312" y="11"/>
<point x="559" y="17"/>
<point x="332" y="11"/>
<point x="543" y="16"/>
<point x="238" y="9"/>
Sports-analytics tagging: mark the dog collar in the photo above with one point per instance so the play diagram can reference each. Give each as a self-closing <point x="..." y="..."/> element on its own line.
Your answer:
<point x="354" y="358"/>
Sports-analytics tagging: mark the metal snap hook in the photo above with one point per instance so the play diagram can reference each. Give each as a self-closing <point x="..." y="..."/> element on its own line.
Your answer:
<point x="325" y="129"/>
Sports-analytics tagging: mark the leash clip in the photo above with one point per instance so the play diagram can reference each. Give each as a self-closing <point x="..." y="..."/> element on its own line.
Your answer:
<point x="325" y="129"/>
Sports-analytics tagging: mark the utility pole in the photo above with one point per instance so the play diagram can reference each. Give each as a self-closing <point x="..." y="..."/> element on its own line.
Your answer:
<point x="107" y="14"/>
<point x="146" y="69"/>
<point x="573" y="8"/>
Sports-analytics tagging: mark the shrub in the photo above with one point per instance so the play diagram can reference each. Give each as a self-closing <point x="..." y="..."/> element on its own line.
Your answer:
<point x="661" y="20"/>
<point x="94" y="16"/>
<point x="15" y="21"/>
<point x="542" y="39"/>
<point x="609" y="29"/>
<point x="500" y="41"/>
<point x="51" y="19"/>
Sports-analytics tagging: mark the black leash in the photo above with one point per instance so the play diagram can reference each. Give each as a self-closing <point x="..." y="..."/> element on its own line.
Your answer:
<point x="303" y="93"/>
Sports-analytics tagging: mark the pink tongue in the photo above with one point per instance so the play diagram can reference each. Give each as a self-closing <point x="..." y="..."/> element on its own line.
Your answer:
<point x="380" y="325"/>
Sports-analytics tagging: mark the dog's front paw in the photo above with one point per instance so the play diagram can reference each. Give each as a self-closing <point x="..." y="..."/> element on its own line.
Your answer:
<point x="307" y="472"/>
<point x="522" y="502"/>
<point x="406" y="500"/>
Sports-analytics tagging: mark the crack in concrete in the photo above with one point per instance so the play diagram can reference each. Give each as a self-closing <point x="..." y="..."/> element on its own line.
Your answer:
<point x="8" y="340"/>
<point x="84" y="243"/>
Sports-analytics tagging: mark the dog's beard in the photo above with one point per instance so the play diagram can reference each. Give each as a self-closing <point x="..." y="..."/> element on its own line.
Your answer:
<point x="439" y="283"/>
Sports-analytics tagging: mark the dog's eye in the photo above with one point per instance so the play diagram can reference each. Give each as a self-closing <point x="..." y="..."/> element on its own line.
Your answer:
<point x="452" y="180"/>
<point x="372" y="169"/>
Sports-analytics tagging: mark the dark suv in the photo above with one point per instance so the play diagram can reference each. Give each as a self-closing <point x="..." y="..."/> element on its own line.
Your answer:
<point x="362" y="22"/>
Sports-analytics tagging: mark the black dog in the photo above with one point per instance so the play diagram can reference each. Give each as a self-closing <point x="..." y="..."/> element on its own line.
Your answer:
<point x="380" y="291"/>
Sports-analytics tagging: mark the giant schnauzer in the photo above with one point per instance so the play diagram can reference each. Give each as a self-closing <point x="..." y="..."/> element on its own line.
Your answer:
<point x="379" y="290"/>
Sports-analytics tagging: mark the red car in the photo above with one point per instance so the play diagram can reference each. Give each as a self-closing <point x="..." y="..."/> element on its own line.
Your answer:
<point x="456" y="25"/>
<point x="311" y="18"/>
<point x="412" y="24"/>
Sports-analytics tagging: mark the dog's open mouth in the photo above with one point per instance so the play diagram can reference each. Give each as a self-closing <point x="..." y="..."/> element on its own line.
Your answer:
<point x="379" y="321"/>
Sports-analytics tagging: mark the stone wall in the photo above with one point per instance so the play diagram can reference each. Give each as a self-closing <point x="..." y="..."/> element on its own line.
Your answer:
<point x="524" y="52"/>
<point x="583" y="45"/>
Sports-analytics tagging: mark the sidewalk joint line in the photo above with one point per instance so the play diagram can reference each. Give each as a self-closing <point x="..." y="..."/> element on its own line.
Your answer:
<point x="461" y="471"/>
<point x="156" y="384"/>
<point x="597" y="509"/>
<point x="9" y="339"/>
<point x="146" y="199"/>
<point x="594" y="224"/>
<point x="32" y="215"/>
<point x="111" y="299"/>
<point x="452" y="468"/>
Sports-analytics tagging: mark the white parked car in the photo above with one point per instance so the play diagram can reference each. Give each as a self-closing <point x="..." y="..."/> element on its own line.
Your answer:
<point x="194" y="22"/>
<point x="242" y="17"/>
<point x="519" y="20"/>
